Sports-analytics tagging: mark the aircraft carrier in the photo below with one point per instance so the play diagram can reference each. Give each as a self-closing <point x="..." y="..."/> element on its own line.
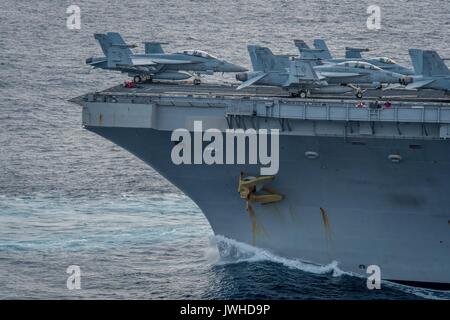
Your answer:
<point x="359" y="185"/>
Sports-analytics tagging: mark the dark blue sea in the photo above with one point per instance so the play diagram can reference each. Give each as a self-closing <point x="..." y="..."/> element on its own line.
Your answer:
<point x="69" y="197"/>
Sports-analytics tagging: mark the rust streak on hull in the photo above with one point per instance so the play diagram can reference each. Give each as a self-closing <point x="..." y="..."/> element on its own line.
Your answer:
<point x="328" y="233"/>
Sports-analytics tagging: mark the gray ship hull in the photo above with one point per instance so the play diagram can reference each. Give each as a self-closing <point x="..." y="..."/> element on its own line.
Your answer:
<point x="375" y="194"/>
<point x="350" y="205"/>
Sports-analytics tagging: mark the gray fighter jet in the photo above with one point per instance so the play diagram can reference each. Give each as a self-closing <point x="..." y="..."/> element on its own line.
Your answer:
<point x="321" y="51"/>
<point x="431" y="70"/>
<point x="303" y="76"/>
<point x="154" y="64"/>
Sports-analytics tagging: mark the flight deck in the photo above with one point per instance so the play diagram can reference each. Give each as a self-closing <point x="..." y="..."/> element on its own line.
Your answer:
<point x="377" y="114"/>
<point x="227" y="89"/>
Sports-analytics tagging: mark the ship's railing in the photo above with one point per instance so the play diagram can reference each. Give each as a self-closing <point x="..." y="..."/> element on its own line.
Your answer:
<point x="284" y="108"/>
<point x="344" y="111"/>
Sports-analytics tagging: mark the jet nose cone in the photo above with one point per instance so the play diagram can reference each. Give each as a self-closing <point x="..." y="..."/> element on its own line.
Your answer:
<point x="230" y="67"/>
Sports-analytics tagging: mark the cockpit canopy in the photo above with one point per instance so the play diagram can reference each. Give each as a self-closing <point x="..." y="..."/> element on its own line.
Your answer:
<point x="359" y="64"/>
<point x="198" y="53"/>
<point x="386" y="60"/>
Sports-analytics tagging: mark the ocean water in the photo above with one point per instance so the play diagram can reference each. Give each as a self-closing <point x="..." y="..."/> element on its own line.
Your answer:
<point x="68" y="197"/>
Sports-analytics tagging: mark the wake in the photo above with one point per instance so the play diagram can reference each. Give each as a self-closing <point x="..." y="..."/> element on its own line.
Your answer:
<point x="225" y="251"/>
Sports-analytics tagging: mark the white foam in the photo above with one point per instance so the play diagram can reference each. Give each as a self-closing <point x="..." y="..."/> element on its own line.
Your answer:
<point x="420" y="292"/>
<point x="232" y="251"/>
<point x="228" y="251"/>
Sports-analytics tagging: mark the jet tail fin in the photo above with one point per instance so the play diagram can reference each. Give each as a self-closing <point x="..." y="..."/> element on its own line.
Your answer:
<point x="433" y="64"/>
<point x="314" y="54"/>
<point x="263" y="59"/>
<point x="300" y="44"/>
<point x="354" y="53"/>
<point x="320" y="44"/>
<point x="114" y="48"/>
<point x="301" y="71"/>
<point x="153" y="47"/>
<point x="308" y="53"/>
<point x="104" y="42"/>
<point x="117" y="40"/>
<point x="320" y="50"/>
<point x="416" y="56"/>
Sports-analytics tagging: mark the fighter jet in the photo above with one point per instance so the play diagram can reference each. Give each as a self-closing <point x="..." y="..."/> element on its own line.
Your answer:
<point x="301" y="76"/>
<point x="155" y="64"/>
<point x="431" y="70"/>
<point x="321" y="51"/>
<point x="275" y="70"/>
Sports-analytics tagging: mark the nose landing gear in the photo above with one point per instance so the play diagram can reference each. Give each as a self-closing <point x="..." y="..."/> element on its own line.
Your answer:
<point x="359" y="94"/>
<point x="358" y="91"/>
<point x="137" y="79"/>
<point x="197" y="79"/>
<point x="301" y="94"/>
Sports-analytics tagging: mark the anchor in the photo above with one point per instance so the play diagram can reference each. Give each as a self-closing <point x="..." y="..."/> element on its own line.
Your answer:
<point x="253" y="189"/>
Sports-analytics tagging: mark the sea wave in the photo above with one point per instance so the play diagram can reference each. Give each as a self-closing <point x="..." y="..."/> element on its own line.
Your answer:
<point x="230" y="251"/>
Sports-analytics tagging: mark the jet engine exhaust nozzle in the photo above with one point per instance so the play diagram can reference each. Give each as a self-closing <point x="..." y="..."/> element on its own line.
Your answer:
<point x="242" y="76"/>
<point x="405" y="80"/>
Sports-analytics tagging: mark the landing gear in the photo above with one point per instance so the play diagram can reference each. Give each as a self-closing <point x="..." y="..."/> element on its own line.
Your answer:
<point x="358" y="90"/>
<point x="197" y="79"/>
<point x="359" y="94"/>
<point x="137" y="79"/>
<point x="303" y="94"/>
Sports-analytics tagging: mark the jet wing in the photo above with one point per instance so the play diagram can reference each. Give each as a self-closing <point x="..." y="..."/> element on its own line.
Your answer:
<point x="330" y="74"/>
<point x="419" y="84"/>
<point x="149" y="61"/>
<point x="142" y="61"/>
<point x="172" y="61"/>
<point x="392" y="86"/>
<point x="251" y="81"/>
